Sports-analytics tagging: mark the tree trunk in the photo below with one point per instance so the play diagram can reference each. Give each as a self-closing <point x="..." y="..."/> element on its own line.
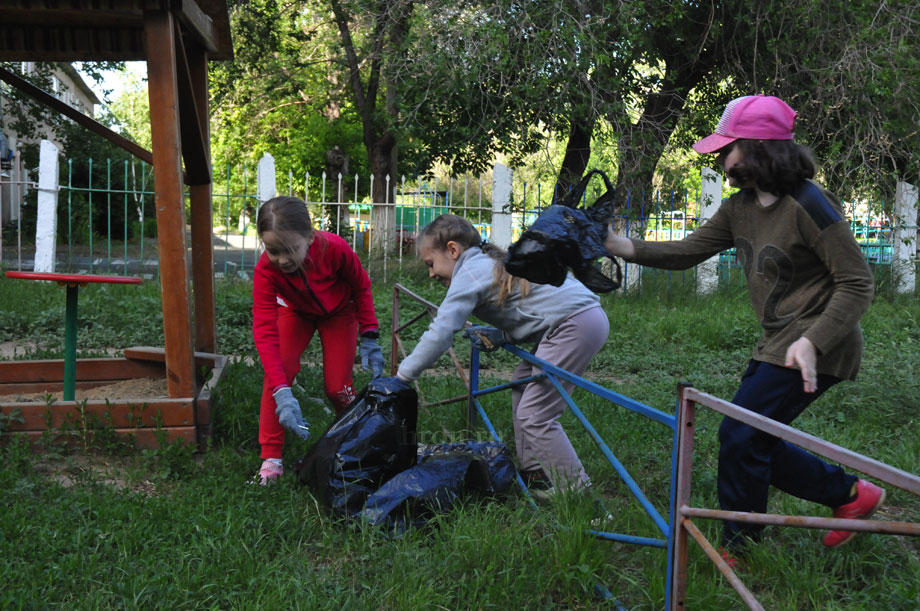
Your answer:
<point x="640" y="147"/>
<point x="391" y="26"/>
<point x="577" y="154"/>
<point x="382" y="154"/>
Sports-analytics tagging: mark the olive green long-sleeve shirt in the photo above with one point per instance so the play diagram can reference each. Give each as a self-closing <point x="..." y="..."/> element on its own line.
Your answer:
<point x="806" y="274"/>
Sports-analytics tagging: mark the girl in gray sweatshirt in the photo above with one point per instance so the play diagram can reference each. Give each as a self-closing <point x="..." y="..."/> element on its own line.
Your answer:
<point x="566" y="323"/>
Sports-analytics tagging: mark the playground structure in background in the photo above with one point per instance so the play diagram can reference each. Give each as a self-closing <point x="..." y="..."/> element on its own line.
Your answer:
<point x="679" y="527"/>
<point x="177" y="40"/>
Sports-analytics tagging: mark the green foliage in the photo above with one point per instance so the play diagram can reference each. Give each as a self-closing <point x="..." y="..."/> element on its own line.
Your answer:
<point x="131" y="109"/>
<point x="282" y="94"/>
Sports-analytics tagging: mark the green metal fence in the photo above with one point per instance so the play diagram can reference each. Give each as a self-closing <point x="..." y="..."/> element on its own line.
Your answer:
<point x="107" y="221"/>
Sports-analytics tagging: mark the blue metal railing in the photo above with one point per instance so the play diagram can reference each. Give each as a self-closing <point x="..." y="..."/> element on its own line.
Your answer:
<point x="554" y="374"/>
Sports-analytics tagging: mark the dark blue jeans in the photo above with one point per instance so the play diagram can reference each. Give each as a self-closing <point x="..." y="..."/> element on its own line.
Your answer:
<point x="750" y="461"/>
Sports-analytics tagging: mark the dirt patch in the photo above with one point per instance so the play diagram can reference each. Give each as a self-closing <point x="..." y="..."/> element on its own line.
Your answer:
<point x="140" y="388"/>
<point x="77" y="470"/>
<point x="10" y="350"/>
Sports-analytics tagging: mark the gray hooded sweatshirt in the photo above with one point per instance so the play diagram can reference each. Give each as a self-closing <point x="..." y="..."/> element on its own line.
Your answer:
<point x="524" y="320"/>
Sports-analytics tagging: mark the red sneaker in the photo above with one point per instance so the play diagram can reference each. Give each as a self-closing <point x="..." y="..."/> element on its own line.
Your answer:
<point x="732" y="561"/>
<point x="869" y="498"/>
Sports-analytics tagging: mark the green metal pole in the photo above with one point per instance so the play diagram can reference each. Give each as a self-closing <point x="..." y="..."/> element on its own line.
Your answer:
<point x="90" y="192"/>
<point x="108" y="207"/>
<point x="245" y="225"/>
<point x="143" y="208"/>
<point x="227" y="228"/>
<point x="125" y="183"/>
<point x="69" y="214"/>
<point x="70" y="343"/>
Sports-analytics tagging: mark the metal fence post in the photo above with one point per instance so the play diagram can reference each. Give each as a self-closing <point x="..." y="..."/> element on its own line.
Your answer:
<point x="46" y="217"/>
<point x="680" y="485"/>
<point x="905" y="238"/>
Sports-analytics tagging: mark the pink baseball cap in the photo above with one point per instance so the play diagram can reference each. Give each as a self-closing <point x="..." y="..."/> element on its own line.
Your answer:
<point x="752" y="117"/>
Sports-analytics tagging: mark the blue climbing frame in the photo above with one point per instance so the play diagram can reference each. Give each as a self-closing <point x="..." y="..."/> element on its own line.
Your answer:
<point x="554" y="375"/>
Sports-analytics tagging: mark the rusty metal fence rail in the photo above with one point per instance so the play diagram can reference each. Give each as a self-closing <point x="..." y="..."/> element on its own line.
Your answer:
<point x="688" y="399"/>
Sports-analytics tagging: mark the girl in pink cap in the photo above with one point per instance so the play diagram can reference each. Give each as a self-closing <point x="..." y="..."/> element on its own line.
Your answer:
<point x="809" y="284"/>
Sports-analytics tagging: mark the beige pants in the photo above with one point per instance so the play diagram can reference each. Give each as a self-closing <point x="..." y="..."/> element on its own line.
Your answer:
<point x="537" y="406"/>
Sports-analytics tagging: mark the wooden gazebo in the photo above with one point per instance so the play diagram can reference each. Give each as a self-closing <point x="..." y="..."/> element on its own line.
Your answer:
<point x="176" y="38"/>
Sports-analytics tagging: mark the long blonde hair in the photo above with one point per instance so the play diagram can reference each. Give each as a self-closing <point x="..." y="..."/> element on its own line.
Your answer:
<point x="452" y="228"/>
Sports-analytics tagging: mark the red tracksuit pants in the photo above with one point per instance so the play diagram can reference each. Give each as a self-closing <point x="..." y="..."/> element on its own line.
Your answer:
<point x="338" y="335"/>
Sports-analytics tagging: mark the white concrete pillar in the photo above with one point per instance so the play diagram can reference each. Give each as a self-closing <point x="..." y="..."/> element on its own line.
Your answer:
<point x="265" y="179"/>
<point x="905" y="238"/>
<point x="501" y="205"/>
<point x="707" y="272"/>
<point x="46" y="221"/>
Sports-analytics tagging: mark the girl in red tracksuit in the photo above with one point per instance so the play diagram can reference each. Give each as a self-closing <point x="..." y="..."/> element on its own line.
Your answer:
<point x="306" y="282"/>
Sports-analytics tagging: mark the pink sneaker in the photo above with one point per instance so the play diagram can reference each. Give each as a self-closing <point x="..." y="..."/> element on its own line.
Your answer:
<point x="268" y="473"/>
<point x="869" y="498"/>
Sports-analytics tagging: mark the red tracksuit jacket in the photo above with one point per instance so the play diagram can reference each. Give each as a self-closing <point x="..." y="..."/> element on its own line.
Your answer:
<point x="335" y="281"/>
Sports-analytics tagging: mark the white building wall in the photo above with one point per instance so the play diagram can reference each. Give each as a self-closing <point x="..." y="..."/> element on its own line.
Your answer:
<point x="68" y="86"/>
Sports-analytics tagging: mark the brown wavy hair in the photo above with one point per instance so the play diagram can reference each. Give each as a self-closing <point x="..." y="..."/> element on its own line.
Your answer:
<point x="775" y="166"/>
<point x="452" y="228"/>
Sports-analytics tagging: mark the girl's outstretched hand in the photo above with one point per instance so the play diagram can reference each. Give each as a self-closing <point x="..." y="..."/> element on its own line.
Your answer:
<point x="803" y="356"/>
<point x="487" y="339"/>
<point x="371" y="356"/>
<point x="288" y="412"/>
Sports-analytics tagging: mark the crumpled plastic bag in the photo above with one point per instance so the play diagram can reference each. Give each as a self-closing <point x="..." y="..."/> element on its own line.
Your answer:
<point x="372" y="441"/>
<point x="567" y="237"/>
<point x="443" y="474"/>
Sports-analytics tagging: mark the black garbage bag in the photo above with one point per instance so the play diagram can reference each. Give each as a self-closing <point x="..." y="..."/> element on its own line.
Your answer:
<point x="369" y="443"/>
<point x="566" y="237"/>
<point x="443" y="474"/>
<point x="499" y="462"/>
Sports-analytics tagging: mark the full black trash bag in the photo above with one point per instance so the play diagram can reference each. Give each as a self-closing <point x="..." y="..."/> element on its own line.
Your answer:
<point x="566" y="237"/>
<point x="443" y="474"/>
<point x="372" y="440"/>
<point x="499" y="462"/>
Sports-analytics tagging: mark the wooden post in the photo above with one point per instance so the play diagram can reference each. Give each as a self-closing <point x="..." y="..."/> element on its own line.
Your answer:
<point x="159" y="30"/>
<point x="202" y="220"/>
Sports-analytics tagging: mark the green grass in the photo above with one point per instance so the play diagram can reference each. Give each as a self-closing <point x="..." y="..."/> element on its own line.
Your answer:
<point x="166" y="528"/>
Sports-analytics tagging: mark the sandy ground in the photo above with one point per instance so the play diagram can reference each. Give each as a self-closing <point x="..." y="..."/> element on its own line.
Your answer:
<point x="140" y="388"/>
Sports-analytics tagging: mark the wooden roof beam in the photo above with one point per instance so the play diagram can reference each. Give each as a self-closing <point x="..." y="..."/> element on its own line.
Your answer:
<point x="198" y="22"/>
<point x="194" y="147"/>
<point x="91" y="124"/>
